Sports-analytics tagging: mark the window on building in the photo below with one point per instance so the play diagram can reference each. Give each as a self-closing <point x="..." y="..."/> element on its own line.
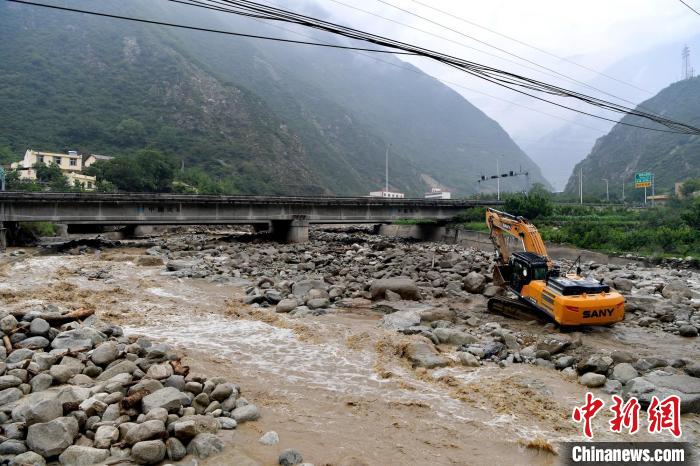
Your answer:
<point x="41" y="159"/>
<point x="57" y="160"/>
<point x="89" y="184"/>
<point x="73" y="162"/>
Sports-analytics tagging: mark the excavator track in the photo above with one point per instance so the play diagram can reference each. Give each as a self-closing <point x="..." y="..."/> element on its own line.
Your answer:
<point x="514" y="309"/>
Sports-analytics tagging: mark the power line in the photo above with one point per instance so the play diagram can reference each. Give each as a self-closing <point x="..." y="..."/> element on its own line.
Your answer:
<point x="541" y="50"/>
<point x="569" y="78"/>
<point x="216" y="31"/>
<point x="503" y="78"/>
<point x="547" y="72"/>
<point x="690" y="7"/>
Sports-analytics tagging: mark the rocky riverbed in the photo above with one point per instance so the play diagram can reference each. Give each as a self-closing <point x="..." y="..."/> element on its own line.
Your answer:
<point x="350" y="349"/>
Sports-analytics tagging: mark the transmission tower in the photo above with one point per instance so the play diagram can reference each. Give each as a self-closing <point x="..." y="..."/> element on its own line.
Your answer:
<point x="687" y="70"/>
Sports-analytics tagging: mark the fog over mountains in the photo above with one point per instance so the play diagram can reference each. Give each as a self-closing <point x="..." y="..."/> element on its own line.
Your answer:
<point x="275" y="118"/>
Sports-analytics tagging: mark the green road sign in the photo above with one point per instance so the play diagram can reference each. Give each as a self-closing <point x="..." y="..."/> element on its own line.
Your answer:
<point x="643" y="179"/>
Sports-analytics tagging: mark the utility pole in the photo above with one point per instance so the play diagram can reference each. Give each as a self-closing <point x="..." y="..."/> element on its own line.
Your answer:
<point x="607" y="191"/>
<point x="623" y="190"/>
<point x="498" y="179"/>
<point x="580" y="184"/>
<point x="386" y="160"/>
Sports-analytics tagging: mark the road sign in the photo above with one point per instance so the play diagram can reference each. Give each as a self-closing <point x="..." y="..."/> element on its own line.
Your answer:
<point x="643" y="179"/>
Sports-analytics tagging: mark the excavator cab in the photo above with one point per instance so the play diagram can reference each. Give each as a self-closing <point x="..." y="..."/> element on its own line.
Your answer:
<point x="526" y="267"/>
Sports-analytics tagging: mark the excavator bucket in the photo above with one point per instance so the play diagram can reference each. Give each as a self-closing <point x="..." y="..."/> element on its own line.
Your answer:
<point x="501" y="275"/>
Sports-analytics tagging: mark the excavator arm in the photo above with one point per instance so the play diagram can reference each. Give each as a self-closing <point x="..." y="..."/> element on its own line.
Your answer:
<point x="500" y="223"/>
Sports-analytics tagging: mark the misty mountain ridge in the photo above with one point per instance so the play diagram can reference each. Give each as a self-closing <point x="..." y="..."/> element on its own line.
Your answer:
<point x="273" y="118"/>
<point x="558" y="151"/>
<point x="626" y="150"/>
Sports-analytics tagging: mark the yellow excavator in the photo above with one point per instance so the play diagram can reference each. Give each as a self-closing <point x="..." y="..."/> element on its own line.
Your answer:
<point x="569" y="298"/>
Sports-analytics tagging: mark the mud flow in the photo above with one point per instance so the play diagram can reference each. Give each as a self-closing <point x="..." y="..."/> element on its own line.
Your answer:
<point x="340" y="386"/>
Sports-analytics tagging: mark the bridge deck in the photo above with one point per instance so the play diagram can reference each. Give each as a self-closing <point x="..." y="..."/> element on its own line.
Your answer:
<point x="150" y="209"/>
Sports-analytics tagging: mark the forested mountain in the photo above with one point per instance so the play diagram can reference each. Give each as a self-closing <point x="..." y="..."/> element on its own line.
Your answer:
<point x="268" y="117"/>
<point x="626" y="150"/>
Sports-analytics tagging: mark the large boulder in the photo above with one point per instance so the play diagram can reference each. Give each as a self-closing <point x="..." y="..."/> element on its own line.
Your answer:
<point x="624" y="372"/>
<point x="405" y="287"/>
<point x="205" y="445"/>
<point x="676" y="288"/>
<point x="76" y="455"/>
<point x="145" y="431"/>
<point x="169" y="398"/>
<point x="400" y="320"/>
<point x="454" y="337"/>
<point x="148" y="452"/>
<point x="474" y="282"/>
<point x="662" y="384"/>
<point x="596" y="363"/>
<point x="422" y="353"/>
<point x="84" y="337"/>
<point x="302" y="287"/>
<point x="52" y="438"/>
<point x="188" y="427"/>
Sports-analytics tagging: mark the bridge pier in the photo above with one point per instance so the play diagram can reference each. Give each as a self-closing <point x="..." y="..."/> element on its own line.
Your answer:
<point x="290" y="231"/>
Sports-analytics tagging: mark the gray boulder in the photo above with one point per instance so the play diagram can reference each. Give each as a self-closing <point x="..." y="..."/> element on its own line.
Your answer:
<point x="662" y="384"/>
<point x="148" y="452"/>
<point x="300" y="288"/>
<point x="422" y="353"/>
<point x="33" y="343"/>
<point x="454" y="337"/>
<point x="105" y="353"/>
<point x="290" y="457"/>
<point x="52" y="438"/>
<point x="205" y="445"/>
<point x="474" y="282"/>
<point x="246" y="413"/>
<point x="400" y="320"/>
<point x="82" y="456"/>
<point x="405" y="287"/>
<point x="595" y="363"/>
<point x="174" y="449"/>
<point x="286" y="305"/>
<point x="10" y="395"/>
<point x="84" y="337"/>
<point x="592" y="380"/>
<point x="688" y="331"/>
<point x="624" y="372"/>
<point x="145" y="431"/>
<point x="9" y="381"/>
<point x="29" y="458"/>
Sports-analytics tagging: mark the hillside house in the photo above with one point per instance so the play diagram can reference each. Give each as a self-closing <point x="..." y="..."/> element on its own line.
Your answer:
<point x="71" y="164"/>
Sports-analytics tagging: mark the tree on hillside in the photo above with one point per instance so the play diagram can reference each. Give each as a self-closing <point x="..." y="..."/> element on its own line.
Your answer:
<point x="6" y="156"/>
<point x="536" y="203"/>
<point x="52" y="175"/>
<point x="146" y="171"/>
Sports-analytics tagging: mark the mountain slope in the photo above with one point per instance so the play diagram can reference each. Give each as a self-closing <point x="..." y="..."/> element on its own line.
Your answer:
<point x="273" y="118"/>
<point x="624" y="151"/>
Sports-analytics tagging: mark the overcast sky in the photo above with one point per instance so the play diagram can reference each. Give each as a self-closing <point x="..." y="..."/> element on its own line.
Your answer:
<point x="596" y="33"/>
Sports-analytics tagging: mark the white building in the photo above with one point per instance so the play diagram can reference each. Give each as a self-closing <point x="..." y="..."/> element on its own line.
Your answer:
<point x="389" y="194"/>
<point x="438" y="193"/>
<point x="71" y="164"/>
<point x="92" y="158"/>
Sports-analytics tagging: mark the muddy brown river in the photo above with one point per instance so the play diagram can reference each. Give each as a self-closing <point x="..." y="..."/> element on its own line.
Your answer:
<point x="335" y="387"/>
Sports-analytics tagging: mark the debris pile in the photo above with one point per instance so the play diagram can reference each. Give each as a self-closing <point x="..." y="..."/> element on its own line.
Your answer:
<point x="85" y="393"/>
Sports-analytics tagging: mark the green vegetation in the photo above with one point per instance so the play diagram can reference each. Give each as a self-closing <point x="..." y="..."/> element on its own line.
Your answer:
<point x="671" y="230"/>
<point x="40" y="228"/>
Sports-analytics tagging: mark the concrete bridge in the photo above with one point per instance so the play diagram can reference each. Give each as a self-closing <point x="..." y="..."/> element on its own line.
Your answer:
<point x="287" y="217"/>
